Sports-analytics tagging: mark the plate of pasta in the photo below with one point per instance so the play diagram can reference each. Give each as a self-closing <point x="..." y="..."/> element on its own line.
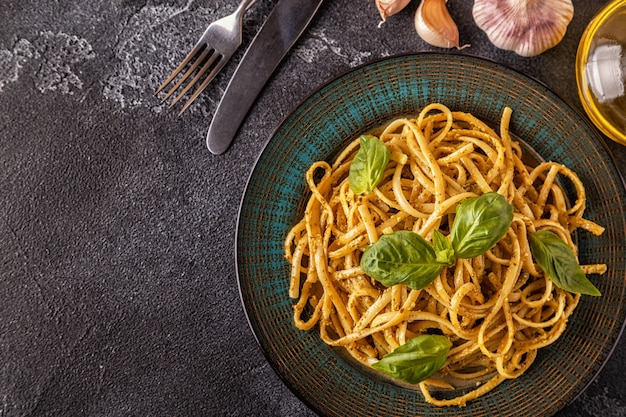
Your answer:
<point x="434" y="234"/>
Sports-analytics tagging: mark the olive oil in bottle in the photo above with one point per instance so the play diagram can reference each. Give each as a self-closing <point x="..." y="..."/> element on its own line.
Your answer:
<point x="601" y="70"/>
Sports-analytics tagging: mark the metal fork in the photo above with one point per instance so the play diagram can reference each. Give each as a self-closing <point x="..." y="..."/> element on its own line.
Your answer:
<point x="215" y="47"/>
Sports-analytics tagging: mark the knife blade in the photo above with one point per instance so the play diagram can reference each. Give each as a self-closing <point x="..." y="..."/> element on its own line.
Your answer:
<point x="283" y="27"/>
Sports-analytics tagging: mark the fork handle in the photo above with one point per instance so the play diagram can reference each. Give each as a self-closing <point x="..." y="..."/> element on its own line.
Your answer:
<point x="244" y="6"/>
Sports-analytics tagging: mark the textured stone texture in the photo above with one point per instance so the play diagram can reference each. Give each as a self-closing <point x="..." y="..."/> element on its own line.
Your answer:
<point x="118" y="294"/>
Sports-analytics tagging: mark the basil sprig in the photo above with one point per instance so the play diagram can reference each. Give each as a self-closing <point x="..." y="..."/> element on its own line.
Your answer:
<point x="406" y="257"/>
<point x="444" y="252"/>
<point x="559" y="263"/>
<point x="369" y="164"/>
<point x="419" y="358"/>
<point x="402" y="257"/>
<point x="479" y="224"/>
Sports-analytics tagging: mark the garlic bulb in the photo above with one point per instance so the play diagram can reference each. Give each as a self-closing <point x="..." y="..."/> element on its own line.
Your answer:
<point x="435" y="25"/>
<point x="528" y="27"/>
<point x="388" y="8"/>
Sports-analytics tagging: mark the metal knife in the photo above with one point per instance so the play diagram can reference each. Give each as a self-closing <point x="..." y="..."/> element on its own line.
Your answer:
<point x="283" y="27"/>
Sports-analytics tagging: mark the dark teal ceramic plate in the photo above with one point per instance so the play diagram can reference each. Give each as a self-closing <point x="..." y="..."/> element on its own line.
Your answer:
<point x="364" y="98"/>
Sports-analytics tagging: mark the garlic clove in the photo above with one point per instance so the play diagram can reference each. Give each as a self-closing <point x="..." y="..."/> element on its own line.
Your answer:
<point x="528" y="27"/>
<point x="388" y="8"/>
<point x="434" y="24"/>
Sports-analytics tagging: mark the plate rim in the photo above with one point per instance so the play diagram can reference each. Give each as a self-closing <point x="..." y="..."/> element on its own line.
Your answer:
<point x="315" y="90"/>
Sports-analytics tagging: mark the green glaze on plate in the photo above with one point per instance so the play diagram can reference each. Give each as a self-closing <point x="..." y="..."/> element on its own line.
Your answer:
<point x="328" y="380"/>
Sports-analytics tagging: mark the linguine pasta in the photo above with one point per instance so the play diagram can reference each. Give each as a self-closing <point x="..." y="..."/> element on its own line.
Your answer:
<point x="497" y="309"/>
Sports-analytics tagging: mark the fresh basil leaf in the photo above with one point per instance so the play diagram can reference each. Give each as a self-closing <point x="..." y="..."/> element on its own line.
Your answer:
<point x="479" y="224"/>
<point x="402" y="257"/>
<point x="559" y="263"/>
<point x="369" y="164"/>
<point x="444" y="254"/>
<point x="419" y="358"/>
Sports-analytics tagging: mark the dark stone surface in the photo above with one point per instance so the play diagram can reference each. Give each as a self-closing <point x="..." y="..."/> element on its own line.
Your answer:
<point x="118" y="293"/>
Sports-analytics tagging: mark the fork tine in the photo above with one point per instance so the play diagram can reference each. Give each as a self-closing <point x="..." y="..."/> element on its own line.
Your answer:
<point x="195" y="79"/>
<point x="218" y="66"/>
<point x="186" y="75"/>
<point x="182" y="65"/>
<point x="225" y="36"/>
